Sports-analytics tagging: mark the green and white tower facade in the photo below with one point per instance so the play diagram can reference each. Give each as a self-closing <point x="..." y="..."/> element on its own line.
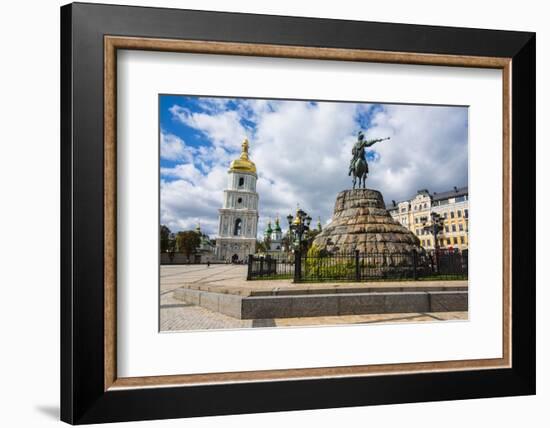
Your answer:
<point x="274" y="236"/>
<point x="238" y="217"/>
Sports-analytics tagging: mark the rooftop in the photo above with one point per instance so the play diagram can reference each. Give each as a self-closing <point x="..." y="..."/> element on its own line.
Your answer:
<point x="455" y="192"/>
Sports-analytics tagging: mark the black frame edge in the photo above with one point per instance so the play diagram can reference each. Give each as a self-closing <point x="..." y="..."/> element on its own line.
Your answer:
<point x="304" y="31"/>
<point x="66" y="316"/>
<point x="524" y="219"/>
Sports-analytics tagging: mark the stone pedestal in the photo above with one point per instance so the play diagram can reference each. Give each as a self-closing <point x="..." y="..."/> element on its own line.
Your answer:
<point x="334" y="300"/>
<point x="360" y="221"/>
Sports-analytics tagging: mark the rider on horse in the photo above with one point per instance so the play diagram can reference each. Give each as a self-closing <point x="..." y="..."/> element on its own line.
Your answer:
<point x="358" y="153"/>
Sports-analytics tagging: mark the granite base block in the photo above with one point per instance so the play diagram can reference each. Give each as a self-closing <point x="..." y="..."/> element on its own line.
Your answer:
<point x="312" y="305"/>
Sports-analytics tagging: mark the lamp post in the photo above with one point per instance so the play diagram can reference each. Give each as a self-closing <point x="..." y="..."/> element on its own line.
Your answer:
<point x="434" y="227"/>
<point x="298" y="226"/>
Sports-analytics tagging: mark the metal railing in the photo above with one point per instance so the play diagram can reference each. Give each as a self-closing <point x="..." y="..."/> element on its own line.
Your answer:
<point x="357" y="266"/>
<point x="271" y="267"/>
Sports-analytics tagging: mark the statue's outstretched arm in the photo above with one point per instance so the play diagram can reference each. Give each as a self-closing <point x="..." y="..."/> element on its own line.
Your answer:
<point x="376" y="140"/>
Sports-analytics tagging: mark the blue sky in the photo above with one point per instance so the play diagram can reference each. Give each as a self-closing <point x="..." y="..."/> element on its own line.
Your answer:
<point x="301" y="150"/>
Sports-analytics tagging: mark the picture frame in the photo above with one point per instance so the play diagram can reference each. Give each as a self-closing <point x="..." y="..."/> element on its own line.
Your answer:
<point x="91" y="391"/>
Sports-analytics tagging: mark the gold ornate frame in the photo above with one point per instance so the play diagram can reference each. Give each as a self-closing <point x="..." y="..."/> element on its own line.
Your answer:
<point x="114" y="43"/>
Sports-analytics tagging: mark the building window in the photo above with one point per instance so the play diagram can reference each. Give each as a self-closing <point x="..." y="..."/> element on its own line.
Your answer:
<point x="465" y="213"/>
<point x="446" y="228"/>
<point x="416" y="219"/>
<point x="238" y="227"/>
<point x="460" y="227"/>
<point x="240" y="200"/>
<point x="241" y="181"/>
<point x="453" y="228"/>
<point x="455" y="240"/>
<point x="452" y="214"/>
<point x="462" y="239"/>
<point x="425" y="206"/>
<point x="448" y="241"/>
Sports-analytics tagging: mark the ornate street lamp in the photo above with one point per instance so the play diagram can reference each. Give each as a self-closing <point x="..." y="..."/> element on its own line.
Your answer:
<point x="299" y="225"/>
<point x="434" y="227"/>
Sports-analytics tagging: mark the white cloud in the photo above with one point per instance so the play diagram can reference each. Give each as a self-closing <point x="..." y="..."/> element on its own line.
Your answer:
<point x="223" y="129"/>
<point x="428" y="149"/>
<point x="191" y="198"/>
<point x="173" y="148"/>
<point x="185" y="171"/>
<point x="302" y="152"/>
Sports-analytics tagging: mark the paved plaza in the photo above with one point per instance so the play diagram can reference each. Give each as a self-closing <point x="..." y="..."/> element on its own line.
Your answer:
<point x="177" y="315"/>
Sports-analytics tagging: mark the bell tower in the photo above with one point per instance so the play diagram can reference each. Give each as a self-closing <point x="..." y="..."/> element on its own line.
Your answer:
<point x="238" y="217"/>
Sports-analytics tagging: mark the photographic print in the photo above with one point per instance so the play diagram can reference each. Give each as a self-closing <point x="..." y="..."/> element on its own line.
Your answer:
<point x="281" y="213"/>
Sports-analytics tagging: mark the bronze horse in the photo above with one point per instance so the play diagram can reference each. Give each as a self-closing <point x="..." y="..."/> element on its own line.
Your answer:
<point x="358" y="165"/>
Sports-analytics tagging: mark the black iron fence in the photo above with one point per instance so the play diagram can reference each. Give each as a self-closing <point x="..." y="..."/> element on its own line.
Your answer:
<point x="357" y="266"/>
<point x="271" y="267"/>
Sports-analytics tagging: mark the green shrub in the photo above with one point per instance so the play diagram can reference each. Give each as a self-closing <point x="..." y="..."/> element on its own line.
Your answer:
<point x="318" y="264"/>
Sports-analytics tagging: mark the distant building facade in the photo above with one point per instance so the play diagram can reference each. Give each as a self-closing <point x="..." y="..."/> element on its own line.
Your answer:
<point x="273" y="237"/>
<point x="238" y="217"/>
<point x="452" y="206"/>
<point x="206" y="252"/>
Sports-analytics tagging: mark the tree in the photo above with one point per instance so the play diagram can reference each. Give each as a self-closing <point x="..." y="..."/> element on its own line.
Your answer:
<point x="171" y="246"/>
<point x="164" y="238"/>
<point x="188" y="242"/>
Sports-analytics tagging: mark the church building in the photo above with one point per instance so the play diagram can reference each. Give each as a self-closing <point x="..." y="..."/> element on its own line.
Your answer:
<point x="238" y="217"/>
<point x="206" y="250"/>
<point x="274" y="238"/>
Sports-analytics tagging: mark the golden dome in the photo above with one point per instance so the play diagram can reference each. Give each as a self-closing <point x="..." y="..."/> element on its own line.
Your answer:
<point x="243" y="164"/>
<point x="297" y="218"/>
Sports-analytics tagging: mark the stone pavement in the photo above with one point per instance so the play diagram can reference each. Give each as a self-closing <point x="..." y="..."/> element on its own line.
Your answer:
<point x="176" y="315"/>
<point x="173" y="276"/>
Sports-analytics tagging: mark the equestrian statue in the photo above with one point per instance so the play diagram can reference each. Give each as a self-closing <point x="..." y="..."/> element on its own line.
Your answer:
<point x="358" y="165"/>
